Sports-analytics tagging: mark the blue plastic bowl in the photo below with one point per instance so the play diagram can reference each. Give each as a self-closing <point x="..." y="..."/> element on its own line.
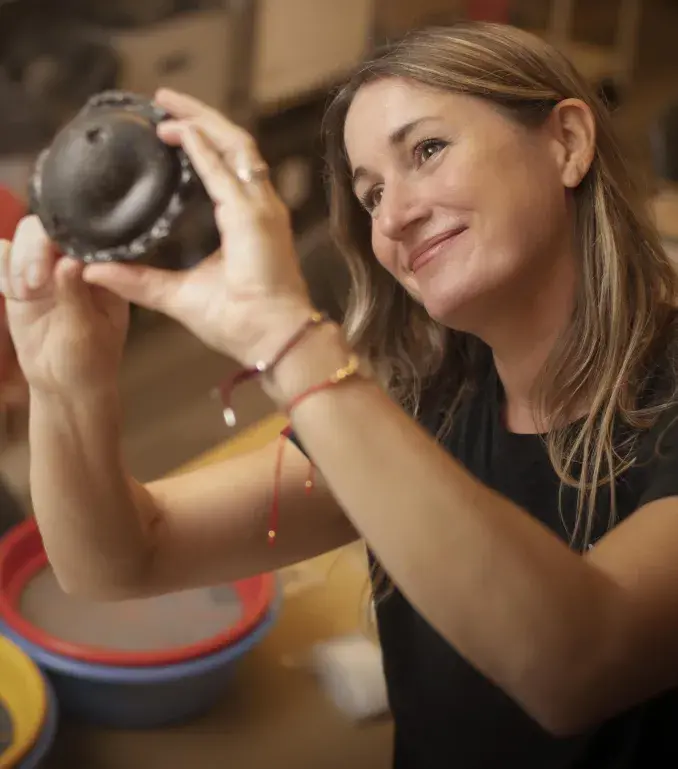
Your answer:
<point x="36" y="758"/>
<point x="142" y="697"/>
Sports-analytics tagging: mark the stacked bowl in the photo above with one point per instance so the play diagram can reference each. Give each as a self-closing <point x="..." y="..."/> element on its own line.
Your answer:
<point x="28" y="710"/>
<point x="132" y="664"/>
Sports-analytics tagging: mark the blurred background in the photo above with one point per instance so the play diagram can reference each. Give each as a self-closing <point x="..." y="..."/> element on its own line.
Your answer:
<point x="271" y="64"/>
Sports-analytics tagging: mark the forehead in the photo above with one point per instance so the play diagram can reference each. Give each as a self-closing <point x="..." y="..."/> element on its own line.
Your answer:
<point x="382" y="107"/>
<point x="379" y="109"/>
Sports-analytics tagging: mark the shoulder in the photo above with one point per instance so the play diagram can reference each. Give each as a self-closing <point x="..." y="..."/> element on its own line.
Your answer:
<point x="656" y="442"/>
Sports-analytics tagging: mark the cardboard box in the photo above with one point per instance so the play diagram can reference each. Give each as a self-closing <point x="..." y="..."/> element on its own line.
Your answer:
<point x="191" y="53"/>
<point x="304" y="45"/>
<point x="394" y="18"/>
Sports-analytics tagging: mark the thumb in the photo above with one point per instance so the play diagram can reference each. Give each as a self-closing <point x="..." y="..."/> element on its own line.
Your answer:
<point x="145" y="286"/>
<point x="68" y="283"/>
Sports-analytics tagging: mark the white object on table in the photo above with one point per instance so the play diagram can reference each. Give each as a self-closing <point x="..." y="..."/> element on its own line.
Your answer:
<point x="350" y="671"/>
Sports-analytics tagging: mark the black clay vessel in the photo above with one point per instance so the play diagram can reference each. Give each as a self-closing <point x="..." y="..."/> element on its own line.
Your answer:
<point x="108" y="189"/>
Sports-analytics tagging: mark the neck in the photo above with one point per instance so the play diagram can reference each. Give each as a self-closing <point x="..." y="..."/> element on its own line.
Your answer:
<point x="522" y="341"/>
<point x="518" y="367"/>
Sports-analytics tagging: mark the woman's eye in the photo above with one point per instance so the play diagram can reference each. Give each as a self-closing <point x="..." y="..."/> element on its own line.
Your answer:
<point x="371" y="199"/>
<point x="427" y="149"/>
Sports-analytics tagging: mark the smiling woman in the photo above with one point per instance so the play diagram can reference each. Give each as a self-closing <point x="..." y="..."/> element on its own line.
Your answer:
<point x="513" y="469"/>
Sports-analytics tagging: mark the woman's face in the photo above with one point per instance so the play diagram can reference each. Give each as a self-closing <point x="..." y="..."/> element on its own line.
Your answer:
<point x="470" y="211"/>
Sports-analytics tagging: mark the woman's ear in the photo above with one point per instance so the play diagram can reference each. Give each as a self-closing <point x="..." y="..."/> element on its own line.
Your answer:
<point x="573" y="129"/>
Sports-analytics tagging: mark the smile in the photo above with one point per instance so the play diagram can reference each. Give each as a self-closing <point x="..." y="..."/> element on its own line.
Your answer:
<point x="429" y="250"/>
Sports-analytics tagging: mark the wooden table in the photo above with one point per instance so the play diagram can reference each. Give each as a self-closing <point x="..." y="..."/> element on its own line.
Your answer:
<point x="275" y="715"/>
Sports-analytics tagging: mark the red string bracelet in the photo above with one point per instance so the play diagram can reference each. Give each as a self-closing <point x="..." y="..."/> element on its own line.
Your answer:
<point x="340" y="375"/>
<point x="226" y="391"/>
<point x="261" y="367"/>
<point x="275" y="503"/>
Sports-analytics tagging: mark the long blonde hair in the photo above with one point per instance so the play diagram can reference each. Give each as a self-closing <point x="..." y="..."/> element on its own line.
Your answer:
<point x="627" y="287"/>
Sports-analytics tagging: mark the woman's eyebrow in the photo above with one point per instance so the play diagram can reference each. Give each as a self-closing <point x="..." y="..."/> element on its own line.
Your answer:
<point x="395" y="139"/>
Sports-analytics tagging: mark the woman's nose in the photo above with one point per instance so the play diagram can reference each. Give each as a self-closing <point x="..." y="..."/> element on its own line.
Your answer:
<point x="398" y="210"/>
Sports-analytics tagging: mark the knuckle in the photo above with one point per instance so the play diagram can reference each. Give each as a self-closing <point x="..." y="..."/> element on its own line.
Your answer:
<point x="263" y="215"/>
<point x="276" y="216"/>
<point x="212" y="164"/>
<point x="247" y="142"/>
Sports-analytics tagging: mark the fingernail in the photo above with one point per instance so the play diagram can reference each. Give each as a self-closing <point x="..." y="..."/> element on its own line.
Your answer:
<point x="34" y="275"/>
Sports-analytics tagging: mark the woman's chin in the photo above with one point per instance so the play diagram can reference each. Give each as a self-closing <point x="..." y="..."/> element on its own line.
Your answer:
<point x="454" y="310"/>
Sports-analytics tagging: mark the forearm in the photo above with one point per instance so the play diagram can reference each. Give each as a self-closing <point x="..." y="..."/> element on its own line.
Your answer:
<point x="511" y="597"/>
<point x="93" y="518"/>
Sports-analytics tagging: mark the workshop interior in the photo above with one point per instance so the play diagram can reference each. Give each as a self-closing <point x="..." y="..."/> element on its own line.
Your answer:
<point x="277" y="670"/>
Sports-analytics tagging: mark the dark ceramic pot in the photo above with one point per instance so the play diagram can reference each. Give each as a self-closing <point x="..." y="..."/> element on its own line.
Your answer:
<point x="108" y="189"/>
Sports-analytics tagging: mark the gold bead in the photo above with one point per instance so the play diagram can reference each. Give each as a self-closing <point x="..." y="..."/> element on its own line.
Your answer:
<point x="271" y="534"/>
<point x="309" y="484"/>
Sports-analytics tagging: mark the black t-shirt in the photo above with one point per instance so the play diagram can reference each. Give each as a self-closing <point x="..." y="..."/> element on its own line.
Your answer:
<point x="447" y="715"/>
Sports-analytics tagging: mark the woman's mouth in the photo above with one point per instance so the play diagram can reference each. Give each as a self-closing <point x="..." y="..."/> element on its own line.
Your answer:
<point x="431" y="248"/>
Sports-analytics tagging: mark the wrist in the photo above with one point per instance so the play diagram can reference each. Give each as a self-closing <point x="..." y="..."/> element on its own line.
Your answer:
<point x="318" y="356"/>
<point x="104" y="399"/>
<point x="283" y="322"/>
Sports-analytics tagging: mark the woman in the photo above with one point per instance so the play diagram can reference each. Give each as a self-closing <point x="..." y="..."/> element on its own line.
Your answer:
<point x="512" y="297"/>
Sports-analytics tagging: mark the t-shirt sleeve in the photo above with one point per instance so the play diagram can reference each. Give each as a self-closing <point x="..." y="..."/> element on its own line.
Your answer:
<point x="658" y="459"/>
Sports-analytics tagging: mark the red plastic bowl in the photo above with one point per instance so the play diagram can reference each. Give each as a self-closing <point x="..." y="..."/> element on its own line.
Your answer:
<point x="22" y="557"/>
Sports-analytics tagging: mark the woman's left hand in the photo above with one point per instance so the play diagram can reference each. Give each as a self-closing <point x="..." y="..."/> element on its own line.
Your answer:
<point x="248" y="299"/>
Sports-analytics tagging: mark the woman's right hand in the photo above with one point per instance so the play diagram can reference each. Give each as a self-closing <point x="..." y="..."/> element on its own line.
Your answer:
<point x="69" y="336"/>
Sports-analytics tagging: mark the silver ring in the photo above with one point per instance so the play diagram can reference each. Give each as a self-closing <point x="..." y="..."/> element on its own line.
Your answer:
<point x="255" y="174"/>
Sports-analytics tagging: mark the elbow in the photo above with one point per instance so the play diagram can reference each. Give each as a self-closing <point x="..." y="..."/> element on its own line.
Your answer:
<point x="563" y="722"/>
<point x="577" y="685"/>
<point x="104" y="586"/>
<point x="571" y="701"/>
<point x="572" y="692"/>
<point x="99" y="593"/>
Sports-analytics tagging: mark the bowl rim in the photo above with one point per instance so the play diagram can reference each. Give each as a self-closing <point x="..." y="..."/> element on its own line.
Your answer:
<point x="45" y="741"/>
<point x="26" y="731"/>
<point x="256" y="594"/>
<point x="67" y="667"/>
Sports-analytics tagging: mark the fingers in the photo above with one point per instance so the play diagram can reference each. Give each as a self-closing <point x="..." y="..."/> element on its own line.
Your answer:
<point x="27" y="264"/>
<point x="230" y="140"/>
<point x="31" y="269"/>
<point x="145" y="286"/>
<point x="180" y="105"/>
<point x="220" y="182"/>
<point x="232" y="143"/>
<point x="225" y="134"/>
<point x="69" y="285"/>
